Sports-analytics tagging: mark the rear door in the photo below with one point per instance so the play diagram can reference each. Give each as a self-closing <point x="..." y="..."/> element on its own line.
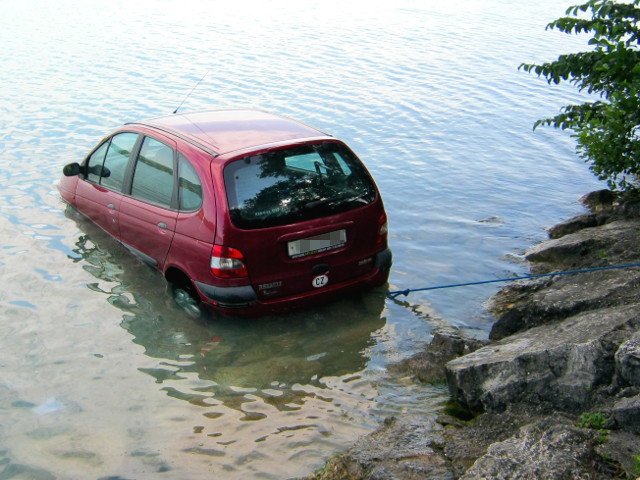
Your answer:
<point x="314" y="255"/>
<point x="148" y="213"/>
<point x="99" y="193"/>
<point x="307" y="218"/>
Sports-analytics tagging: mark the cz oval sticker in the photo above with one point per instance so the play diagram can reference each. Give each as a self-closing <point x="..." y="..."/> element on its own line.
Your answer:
<point x="320" y="281"/>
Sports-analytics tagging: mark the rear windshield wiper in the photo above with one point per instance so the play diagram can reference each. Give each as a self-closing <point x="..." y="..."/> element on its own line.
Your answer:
<point x="318" y="202"/>
<point x="334" y="200"/>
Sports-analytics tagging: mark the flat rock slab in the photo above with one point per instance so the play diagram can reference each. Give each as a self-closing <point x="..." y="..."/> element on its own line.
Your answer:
<point x="626" y="413"/>
<point x="564" y="297"/>
<point x="589" y="247"/>
<point x="524" y="305"/>
<point x="559" y="364"/>
<point x="549" y="449"/>
<point x="404" y="448"/>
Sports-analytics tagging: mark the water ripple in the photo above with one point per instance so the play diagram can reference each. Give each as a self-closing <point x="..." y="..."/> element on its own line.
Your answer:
<point x="429" y="95"/>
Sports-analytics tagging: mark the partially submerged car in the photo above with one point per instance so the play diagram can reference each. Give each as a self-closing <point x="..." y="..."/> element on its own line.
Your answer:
<point x="241" y="210"/>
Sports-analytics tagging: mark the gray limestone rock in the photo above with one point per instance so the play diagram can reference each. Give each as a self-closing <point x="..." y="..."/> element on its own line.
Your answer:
<point x="550" y="449"/>
<point x="564" y="297"/>
<point x="428" y="366"/>
<point x="404" y="448"/>
<point x="572" y="225"/>
<point x="626" y="413"/>
<point x="628" y="360"/>
<point x="528" y="304"/>
<point x="589" y="247"/>
<point x="561" y="363"/>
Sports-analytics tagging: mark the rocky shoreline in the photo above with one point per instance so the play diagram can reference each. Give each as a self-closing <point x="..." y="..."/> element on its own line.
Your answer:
<point x="555" y="391"/>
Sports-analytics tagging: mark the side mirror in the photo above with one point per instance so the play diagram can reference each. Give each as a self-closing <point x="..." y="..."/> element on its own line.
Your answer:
<point x="71" y="170"/>
<point x="100" y="171"/>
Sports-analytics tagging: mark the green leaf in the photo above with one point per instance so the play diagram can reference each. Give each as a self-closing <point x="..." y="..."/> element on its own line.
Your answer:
<point x="605" y="130"/>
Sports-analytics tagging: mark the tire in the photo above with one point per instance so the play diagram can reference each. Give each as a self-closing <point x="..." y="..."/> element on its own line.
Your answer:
<point x="185" y="296"/>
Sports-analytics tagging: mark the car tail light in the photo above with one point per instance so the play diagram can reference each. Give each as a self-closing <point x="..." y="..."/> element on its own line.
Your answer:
<point x="227" y="262"/>
<point x="383" y="229"/>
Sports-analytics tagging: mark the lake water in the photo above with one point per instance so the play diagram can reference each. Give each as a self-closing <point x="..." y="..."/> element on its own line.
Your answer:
<point x="102" y="377"/>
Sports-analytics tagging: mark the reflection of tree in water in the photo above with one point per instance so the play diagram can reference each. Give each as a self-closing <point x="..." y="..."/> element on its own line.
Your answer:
<point x="219" y="358"/>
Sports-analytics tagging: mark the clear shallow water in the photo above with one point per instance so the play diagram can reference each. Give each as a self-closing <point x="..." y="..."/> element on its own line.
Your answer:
<point x="101" y="376"/>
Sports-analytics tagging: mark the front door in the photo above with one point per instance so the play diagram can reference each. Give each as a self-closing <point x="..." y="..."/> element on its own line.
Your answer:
<point x="99" y="193"/>
<point x="148" y="214"/>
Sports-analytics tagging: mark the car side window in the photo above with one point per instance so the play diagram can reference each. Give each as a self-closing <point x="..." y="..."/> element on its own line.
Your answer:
<point x="190" y="192"/>
<point x="153" y="175"/>
<point x="117" y="158"/>
<point x="95" y="162"/>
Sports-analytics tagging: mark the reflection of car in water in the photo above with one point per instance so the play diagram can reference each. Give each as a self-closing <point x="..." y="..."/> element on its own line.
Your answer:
<point x="244" y="211"/>
<point x="227" y="354"/>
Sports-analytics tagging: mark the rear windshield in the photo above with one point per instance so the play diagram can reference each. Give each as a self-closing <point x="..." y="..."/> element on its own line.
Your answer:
<point x="296" y="184"/>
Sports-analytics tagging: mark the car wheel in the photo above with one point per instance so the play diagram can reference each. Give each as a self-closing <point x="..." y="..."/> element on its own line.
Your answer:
<point x="186" y="298"/>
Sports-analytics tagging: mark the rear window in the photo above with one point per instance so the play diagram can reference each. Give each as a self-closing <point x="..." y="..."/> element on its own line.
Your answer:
<point x="296" y="184"/>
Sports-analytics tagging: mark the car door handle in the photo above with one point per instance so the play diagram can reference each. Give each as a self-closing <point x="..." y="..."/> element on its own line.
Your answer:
<point x="111" y="206"/>
<point x="162" y="225"/>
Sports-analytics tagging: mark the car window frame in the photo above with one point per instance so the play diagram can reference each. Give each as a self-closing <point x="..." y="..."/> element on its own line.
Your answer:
<point x="182" y="158"/>
<point x="173" y="205"/>
<point x="313" y="208"/>
<point x="127" y="182"/>
<point x="127" y="174"/>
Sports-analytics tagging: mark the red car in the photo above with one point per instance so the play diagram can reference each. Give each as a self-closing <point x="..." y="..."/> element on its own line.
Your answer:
<point x="241" y="210"/>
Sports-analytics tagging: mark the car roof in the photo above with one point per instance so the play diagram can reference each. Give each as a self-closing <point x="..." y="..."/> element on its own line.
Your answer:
<point x="224" y="131"/>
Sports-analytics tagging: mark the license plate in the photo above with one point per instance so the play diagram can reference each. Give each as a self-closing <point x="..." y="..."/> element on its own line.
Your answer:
<point x="317" y="244"/>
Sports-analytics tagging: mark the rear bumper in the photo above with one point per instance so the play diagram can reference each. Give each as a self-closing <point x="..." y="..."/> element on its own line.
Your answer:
<point x="243" y="300"/>
<point x="228" y="297"/>
<point x="383" y="260"/>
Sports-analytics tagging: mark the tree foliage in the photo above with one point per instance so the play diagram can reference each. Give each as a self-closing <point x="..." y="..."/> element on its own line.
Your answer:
<point x="607" y="129"/>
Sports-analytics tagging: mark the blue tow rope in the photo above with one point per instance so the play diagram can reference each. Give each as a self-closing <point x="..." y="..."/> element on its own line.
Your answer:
<point x="394" y="294"/>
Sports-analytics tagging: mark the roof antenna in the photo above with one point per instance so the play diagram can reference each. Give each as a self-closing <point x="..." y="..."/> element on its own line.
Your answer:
<point x="189" y="94"/>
